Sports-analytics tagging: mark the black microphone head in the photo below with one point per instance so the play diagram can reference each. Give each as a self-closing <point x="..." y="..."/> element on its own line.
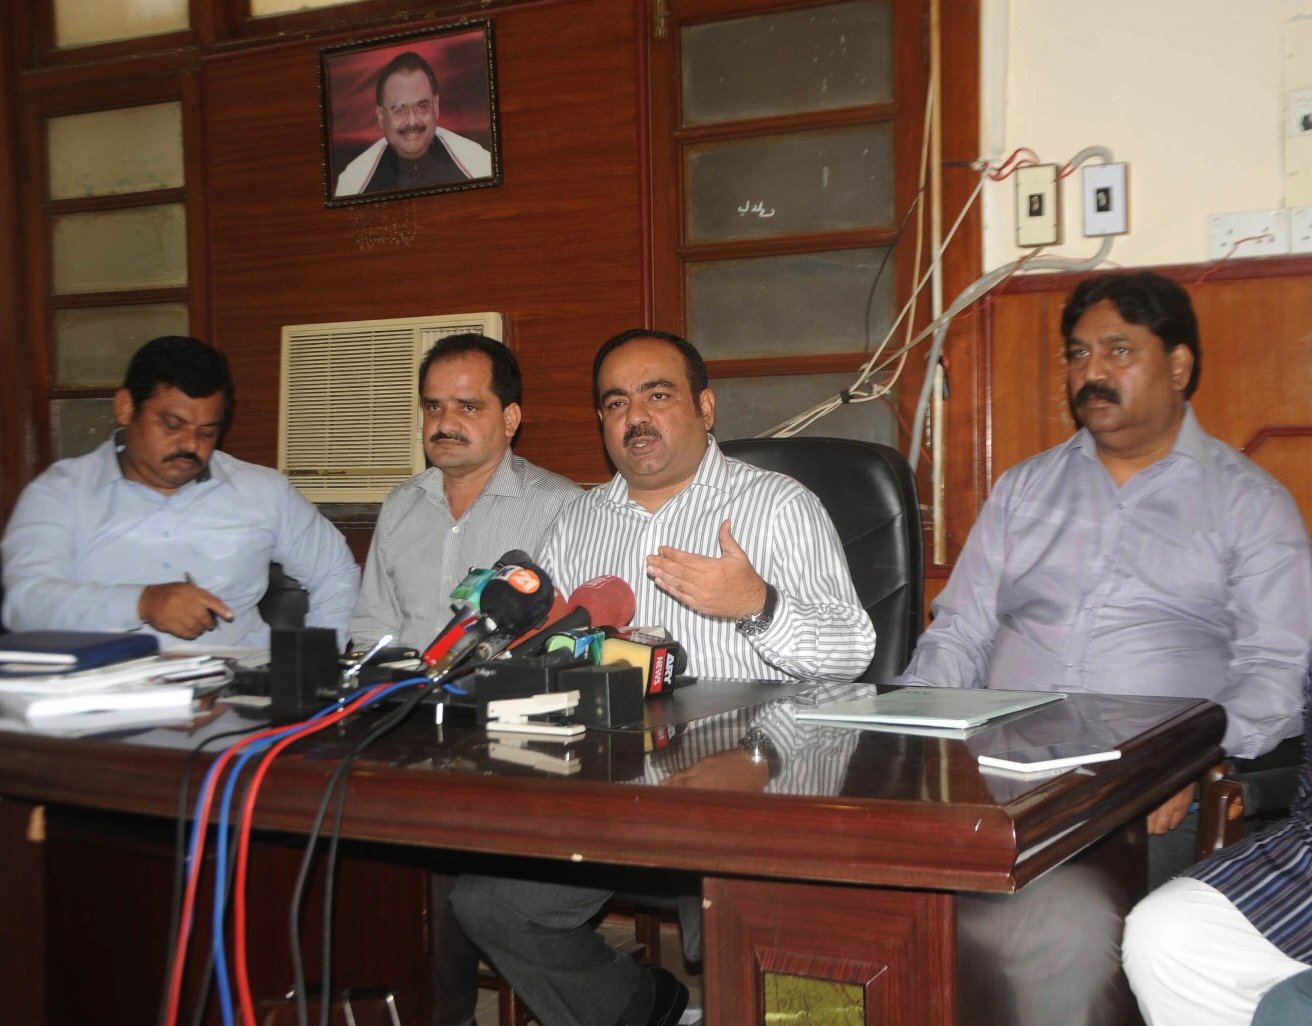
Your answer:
<point x="515" y="557"/>
<point x="519" y="600"/>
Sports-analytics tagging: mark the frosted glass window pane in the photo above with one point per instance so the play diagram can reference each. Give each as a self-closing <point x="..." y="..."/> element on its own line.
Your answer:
<point x="93" y="346"/>
<point x="79" y="22"/>
<point x="817" y="58"/>
<point x="261" y="8"/>
<point x="79" y="425"/>
<point x="788" y="305"/>
<point x="132" y="149"/>
<point x="745" y="407"/>
<point x="145" y="247"/>
<point x="785" y="184"/>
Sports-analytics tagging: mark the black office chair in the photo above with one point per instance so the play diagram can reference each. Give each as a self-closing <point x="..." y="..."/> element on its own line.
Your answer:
<point x="870" y="494"/>
<point x="285" y="603"/>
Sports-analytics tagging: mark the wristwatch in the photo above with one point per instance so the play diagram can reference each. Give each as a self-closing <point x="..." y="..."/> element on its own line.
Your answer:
<point x="758" y="623"/>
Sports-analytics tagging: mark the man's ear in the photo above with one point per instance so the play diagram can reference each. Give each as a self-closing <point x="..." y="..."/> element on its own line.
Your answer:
<point x="511" y="416"/>
<point x="124" y="407"/>
<point x="1181" y="360"/>
<point x="706" y="403"/>
<point x="378" y="113"/>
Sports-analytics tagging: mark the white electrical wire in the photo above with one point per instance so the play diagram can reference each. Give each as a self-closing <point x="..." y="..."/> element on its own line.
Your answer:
<point x="940" y="325"/>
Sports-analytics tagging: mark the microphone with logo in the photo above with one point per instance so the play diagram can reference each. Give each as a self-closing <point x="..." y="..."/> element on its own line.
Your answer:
<point x="563" y="656"/>
<point x="515" y="599"/>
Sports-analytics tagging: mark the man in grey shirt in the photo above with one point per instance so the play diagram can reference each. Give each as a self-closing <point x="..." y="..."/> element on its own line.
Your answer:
<point x="475" y="502"/>
<point x="1143" y="555"/>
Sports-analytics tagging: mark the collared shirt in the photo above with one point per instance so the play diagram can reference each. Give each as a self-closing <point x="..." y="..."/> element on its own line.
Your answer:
<point x="1193" y="579"/>
<point x="1268" y="876"/>
<point x="819" y="628"/>
<point x="420" y="552"/>
<point x="84" y="540"/>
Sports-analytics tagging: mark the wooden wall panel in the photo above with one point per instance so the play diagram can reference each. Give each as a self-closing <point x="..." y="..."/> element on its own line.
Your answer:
<point x="556" y="248"/>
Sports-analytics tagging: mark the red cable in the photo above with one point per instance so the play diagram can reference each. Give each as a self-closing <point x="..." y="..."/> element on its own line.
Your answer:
<point x="244" y="820"/>
<point x="193" y="873"/>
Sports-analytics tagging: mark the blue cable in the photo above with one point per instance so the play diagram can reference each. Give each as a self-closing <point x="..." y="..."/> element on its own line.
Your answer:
<point x="222" y="983"/>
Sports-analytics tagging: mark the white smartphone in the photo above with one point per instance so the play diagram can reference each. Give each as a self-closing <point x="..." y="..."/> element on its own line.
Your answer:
<point x="1048" y="757"/>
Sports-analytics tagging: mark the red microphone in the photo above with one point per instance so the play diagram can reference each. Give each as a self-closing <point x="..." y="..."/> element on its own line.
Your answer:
<point x="603" y="600"/>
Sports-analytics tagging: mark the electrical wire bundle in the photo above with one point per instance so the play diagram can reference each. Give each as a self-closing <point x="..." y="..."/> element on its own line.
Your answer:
<point x="232" y="848"/>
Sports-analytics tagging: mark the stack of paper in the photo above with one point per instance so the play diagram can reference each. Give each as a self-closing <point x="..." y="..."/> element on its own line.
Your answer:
<point x="136" y="690"/>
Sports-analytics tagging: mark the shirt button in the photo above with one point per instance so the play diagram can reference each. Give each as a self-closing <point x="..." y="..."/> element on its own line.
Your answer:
<point x="456" y="529"/>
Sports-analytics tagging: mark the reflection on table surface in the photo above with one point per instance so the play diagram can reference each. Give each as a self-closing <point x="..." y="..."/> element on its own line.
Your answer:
<point x="711" y="719"/>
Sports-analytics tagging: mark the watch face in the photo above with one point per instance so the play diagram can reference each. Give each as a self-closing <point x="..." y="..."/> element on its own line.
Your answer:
<point x="757" y="623"/>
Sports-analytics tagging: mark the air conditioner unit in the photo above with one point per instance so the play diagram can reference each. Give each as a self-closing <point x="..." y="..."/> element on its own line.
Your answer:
<point x="348" y="416"/>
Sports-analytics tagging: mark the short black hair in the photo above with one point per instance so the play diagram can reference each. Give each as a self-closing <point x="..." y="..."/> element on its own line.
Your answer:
<point x="507" y="384"/>
<point x="187" y="364"/>
<point x="693" y="363"/>
<point x="407" y="61"/>
<point x="1144" y="298"/>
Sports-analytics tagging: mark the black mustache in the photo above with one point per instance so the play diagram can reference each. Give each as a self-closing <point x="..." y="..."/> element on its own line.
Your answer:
<point x="182" y="454"/>
<point x="640" y="431"/>
<point x="447" y="436"/>
<point x="1094" y="390"/>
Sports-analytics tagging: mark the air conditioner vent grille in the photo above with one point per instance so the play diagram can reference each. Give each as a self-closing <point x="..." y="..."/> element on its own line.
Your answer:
<point x="348" y="428"/>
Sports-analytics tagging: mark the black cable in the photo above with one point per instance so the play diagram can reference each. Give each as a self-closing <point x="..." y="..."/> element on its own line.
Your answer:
<point x="888" y="252"/>
<point x="390" y="721"/>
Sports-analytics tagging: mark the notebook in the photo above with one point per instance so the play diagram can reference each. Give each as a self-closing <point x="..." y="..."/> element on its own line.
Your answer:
<point x="64" y="651"/>
<point x="941" y="708"/>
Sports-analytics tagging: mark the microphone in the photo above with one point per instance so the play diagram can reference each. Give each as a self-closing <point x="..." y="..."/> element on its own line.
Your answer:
<point x="602" y="600"/>
<point x="660" y="659"/>
<point x="515" y="599"/>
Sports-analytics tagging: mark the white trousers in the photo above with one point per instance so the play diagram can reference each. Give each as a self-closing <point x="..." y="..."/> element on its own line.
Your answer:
<point x="1194" y="959"/>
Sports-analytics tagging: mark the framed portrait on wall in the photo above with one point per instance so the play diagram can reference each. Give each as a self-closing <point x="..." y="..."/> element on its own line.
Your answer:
<point x="410" y="114"/>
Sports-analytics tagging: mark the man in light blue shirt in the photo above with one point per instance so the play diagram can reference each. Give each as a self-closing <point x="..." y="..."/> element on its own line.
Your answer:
<point x="156" y="530"/>
<point x="1142" y="556"/>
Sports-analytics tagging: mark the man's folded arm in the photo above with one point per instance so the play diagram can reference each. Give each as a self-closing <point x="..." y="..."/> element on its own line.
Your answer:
<point x="1271" y="608"/>
<point x="41" y="589"/>
<point x="956" y="649"/>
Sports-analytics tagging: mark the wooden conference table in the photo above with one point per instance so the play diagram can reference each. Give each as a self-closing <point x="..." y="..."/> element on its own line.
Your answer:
<point x="883" y="862"/>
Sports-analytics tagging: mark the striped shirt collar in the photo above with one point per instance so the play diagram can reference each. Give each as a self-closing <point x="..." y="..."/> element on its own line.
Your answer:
<point x="505" y="480"/>
<point x="712" y="472"/>
<point x="1191" y="440"/>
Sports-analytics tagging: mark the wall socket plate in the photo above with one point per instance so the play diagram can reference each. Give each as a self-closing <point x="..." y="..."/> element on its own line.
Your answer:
<point x="1105" y="199"/>
<point x="1249" y="233"/>
<point x="1038" y="216"/>
<point x="1300" y="229"/>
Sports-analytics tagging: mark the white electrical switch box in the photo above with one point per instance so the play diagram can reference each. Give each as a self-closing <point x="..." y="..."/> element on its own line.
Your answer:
<point x="1037" y="216"/>
<point x="1105" y="194"/>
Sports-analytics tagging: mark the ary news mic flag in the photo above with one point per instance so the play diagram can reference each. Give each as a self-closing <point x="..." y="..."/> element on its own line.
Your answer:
<point x="516" y="598"/>
<point x="660" y="659"/>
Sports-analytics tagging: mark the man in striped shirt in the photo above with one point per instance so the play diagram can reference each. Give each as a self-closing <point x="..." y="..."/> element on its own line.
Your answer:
<point x="473" y="503"/>
<point x="745" y="569"/>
